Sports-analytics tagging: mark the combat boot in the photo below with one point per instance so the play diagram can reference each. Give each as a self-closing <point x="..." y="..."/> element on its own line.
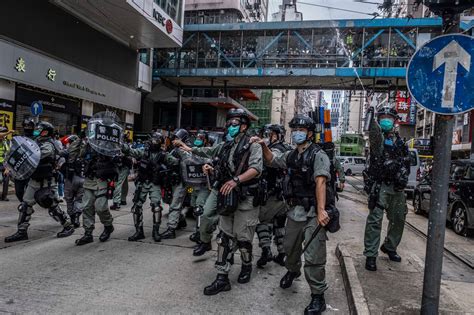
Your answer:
<point x="288" y="278"/>
<point x="371" y="263"/>
<point x="245" y="274"/>
<point x="168" y="234"/>
<point x="267" y="256"/>
<point x="115" y="206"/>
<point x="75" y="220"/>
<point x="316" y="306"/>
<point x="85" y="239"/>
<point x="139" y="235"/>
<point x="221" y="284"/>
<point x="280" y="259"/>
<point x="195" y="237"/>
<point x="106" y="233"/>
<point x="201" y="249"/>
<point x="156" y="233"/>
<point x="392" y="255"/>
<point x="182" y="223"/>
<point x="67" y="231"/>
<point x="20" y="235"/>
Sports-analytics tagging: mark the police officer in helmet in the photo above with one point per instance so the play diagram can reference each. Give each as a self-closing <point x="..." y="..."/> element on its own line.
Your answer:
<point x="306" y="193"/>
<point x="272" y="215"/>
<point x="389" y="167"/>
<point x="42" y="187"/>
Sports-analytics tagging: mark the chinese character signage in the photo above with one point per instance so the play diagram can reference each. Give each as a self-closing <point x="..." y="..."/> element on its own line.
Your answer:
<point x="405" y="108"/>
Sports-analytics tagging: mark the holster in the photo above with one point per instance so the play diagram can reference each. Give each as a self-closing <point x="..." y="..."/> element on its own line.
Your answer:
<point x="373" y="196"/>
<point x="228" y="204"/>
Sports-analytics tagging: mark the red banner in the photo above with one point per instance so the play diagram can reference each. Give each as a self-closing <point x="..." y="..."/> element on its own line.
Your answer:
<point x="403" y="107"/>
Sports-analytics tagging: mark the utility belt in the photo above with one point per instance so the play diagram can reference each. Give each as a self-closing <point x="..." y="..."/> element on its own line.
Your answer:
<point x="305" y="202"/>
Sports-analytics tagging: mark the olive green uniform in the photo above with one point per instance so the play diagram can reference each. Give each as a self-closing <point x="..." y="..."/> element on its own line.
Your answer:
<point x="179" y="194"/>
<point x="121" y="186"/>
<point x="95" y="194"/>
<point x="239" y="227"/>
<point x="340" y="170"/>
<point x="299" y="228"/>
<point x="389" y="199"/>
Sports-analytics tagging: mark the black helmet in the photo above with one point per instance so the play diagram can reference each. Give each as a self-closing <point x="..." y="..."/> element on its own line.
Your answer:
<point x="45" y="129"/>
<point x="238" y="113"/>
<point x="156" y="140"/>
<point x="302" y="121"/>
<point x="202" y="133"/>
<point x="28" y="123"/>
<point x="278" y="129"/>
<point x="386" y="110"/>
<point x="181" y="134"/>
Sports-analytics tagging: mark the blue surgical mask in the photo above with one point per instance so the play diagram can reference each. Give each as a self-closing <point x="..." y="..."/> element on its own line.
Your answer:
<point x="386" y="124"/>
<point x="232" y="131"/>
<point x="36" y="133"/>
<point x="298" y="137"/>
<point x="389" y="142"/>
<point x="198" y="142"/>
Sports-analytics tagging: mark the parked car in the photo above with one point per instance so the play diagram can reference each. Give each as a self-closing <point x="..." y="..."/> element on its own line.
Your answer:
<point x="460" y="196"/>
<point x="353" y="164"/>
<point x="414" y="171"/>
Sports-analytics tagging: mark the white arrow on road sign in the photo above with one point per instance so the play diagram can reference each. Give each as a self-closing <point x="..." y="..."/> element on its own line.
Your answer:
<point x="451" y="55"/>
<point x="35" y="107"/>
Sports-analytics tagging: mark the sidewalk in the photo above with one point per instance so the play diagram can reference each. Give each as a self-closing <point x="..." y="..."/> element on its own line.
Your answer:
<point x="397" y="287"/>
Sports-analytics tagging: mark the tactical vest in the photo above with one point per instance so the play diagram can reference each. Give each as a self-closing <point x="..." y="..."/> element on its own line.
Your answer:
<point x="99" y="166"/>
<point x="299" y="181"/>
<point x="3" y="150"/>
<point x="46" y="166"/>
<point x="243" y="147"/>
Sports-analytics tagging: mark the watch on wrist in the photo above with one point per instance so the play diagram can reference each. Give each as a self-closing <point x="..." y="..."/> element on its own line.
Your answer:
<point x="236" y="180"/>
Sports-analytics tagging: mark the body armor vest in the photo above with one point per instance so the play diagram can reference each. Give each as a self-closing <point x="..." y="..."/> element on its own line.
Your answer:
<point x="300" y="182"/>
<point x="46" y="166"/>
<point x="274" y="175"/>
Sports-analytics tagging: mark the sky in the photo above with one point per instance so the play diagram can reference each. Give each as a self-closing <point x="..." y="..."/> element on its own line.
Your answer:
<point x="315" y="13"/>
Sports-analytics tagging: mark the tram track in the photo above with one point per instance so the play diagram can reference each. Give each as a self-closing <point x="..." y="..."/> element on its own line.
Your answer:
<point x="417" y="231"/>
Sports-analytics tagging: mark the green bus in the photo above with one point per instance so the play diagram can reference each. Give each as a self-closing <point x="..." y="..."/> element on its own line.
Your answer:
<point x="352" y="145"/>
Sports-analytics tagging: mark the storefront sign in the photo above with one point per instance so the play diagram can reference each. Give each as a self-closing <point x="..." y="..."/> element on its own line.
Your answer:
<point x="403" y="106"/>
<point x="27" y="96"/>
<point x="29" y="67"/>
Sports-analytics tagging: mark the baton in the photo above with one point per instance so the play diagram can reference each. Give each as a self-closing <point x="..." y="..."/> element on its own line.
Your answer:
<point x="315" y="233"/>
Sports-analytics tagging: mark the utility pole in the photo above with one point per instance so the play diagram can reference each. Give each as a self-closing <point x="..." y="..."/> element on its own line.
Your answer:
<point x="441" y="166"/>
<point x="180" y="107"/>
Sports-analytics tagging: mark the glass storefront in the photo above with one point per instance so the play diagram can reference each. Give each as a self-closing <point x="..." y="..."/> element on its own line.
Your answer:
<point x="62" y="111"/>
<point x="173" y="8"/>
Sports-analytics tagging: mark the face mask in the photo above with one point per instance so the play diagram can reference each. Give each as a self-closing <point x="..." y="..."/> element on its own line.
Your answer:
<point x="386" y="124"/>
<point x="232" y="131"/>
<point x="389" y="142"/>
<point x="36" y="133"/>
<point x="298" y="137"/>
<point x="198" y="142"/>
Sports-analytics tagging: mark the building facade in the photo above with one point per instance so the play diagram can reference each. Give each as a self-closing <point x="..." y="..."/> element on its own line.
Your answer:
<point x="225" y="11"/>
<point x="65" y="56"/>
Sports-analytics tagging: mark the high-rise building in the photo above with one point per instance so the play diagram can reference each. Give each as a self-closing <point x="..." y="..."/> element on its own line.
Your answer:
<point x="336" y="99"/>
<point x="225" y="11"/>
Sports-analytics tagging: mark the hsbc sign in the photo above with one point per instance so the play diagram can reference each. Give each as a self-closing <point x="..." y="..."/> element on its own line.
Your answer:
<point x="166" y="23"/>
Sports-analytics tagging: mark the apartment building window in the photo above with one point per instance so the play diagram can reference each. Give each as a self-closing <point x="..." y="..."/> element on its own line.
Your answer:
<point x="172" y="7"/>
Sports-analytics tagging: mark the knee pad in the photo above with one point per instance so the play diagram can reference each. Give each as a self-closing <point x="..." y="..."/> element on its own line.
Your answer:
<point x="245" y="248"/>
<point x="224" y="240"/>
<point x="46" y="198"/>
<point x="137" y="210"/>
<point x="198" y="211"/>
<point x="156" y="208"/>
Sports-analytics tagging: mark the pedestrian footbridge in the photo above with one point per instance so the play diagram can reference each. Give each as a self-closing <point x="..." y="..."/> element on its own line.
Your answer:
<point x="338" y="54"/>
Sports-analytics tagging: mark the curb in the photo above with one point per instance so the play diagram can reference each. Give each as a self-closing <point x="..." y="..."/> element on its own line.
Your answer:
<point x="355" y="295"/>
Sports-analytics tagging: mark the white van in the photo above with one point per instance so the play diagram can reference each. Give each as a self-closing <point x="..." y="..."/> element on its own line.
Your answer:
<point x="414" y="171"/>
<point x="352" y="164"/>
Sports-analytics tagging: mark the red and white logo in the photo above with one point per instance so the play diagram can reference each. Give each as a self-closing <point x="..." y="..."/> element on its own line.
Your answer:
<point x="169" y="26"/>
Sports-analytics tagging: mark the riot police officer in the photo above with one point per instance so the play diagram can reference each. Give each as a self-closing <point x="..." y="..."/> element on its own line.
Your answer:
<point x="99" y="153"/>
<point x="200" y="191"/>
<point x="306" y="193"/>
<point x="236" y="175"/>
<point x="153" y="172"/>
<point x="42" y="187"/>
<point x="389" y="167"/>
<point x="121" y="187"/>
<point x="28" y="125"/>
<point x="272" y="215"/>
<point x="176" y="219"/>
<point x="73" y="171"/>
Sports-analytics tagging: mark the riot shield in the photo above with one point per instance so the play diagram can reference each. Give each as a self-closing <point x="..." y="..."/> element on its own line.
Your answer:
<point x="191" y="169"/>
<point x="23" y="158"/>
<point x="104" y="133"/>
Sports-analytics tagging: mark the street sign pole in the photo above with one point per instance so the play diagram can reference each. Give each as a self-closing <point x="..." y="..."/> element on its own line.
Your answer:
<point x="439" y="197"/>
